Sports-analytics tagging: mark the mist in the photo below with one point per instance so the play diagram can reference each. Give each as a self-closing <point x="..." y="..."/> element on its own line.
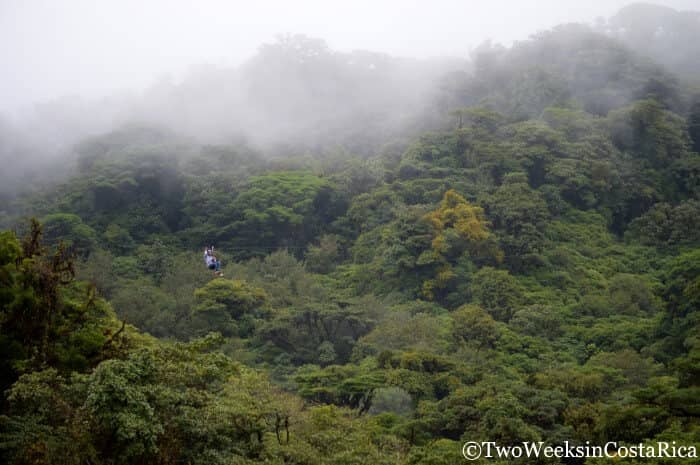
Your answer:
<point x="52" y="49"/>
<point x="284" y="78"/>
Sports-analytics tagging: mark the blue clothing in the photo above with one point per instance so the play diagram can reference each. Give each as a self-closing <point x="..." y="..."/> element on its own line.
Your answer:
<point x="213" y="263"/>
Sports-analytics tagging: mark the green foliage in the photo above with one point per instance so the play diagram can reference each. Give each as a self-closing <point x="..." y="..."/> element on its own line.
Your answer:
<point x="308" y="333"/>
<point x="46" y="318"/>
<point x="539" y="321"/>
<point x="653" y="134"/>
<point x="497" y="291"/>
<point x="234" y="297"/>
<point x="118" y="239"/>
<point x="226" y="306"/>
<point x="146" y="306"/>
<point x="458" y="228"/>
<point x="278" y="210"/>
<point x="474" y="327"/>
<point x="340" y="385"/>
<point x="631" y="295"/>
<point x="520" y="212"/>
<point x="71" y="230"/>
<point x="324" y="257"/>
<point x="173" y="403"/>
<point x="666" y="224"/>
<point x="45" y="423"/>
<point x="399" y="330"/>
<point x="694" y="125"/>
<point x="120" y="403"/>
<point x="549" y="224"/>
<point x="154" y="259"/>
<point x="391" y="399"/>
<point x="683" y="283"/>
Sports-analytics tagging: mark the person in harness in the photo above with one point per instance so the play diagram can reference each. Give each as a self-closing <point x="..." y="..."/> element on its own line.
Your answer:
<point x="212" y="262"/>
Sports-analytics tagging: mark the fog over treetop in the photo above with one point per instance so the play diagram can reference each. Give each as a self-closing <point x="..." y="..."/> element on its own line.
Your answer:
<point x="355" y="79"/>
<point x="50" y="49"/>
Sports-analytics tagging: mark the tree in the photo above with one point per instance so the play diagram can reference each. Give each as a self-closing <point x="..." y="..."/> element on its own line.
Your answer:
<point x="46" y="421"/>
<point x="146" y="306"/>
<point x="472" y="326"/>
<point x="682" y="284"/>
<point x="309" y="331"/>
<point x="400" y="330"/>
<point x="324" y="257"/>
<point x="154" y="259"/>
<point x="70" y="229"/>
<point x="47" y="320"/>
<point x="391" y="399"/>
<point x="631" y="295"/>
<point x="518" y="212"/>
<point x="121" y="402"/>
<point x="666" y="224"/>
<point x="118" y="239"/>
<point x="694" y="125"/>
<point x="498" y="292"/>
<point x="656" y="136"/>
<point x="394" y="251"/>
<point x="226" y="306"/>
<point x="457" y="228"/>
<point x="280" y="209"/>
<point x="538" y="320"/>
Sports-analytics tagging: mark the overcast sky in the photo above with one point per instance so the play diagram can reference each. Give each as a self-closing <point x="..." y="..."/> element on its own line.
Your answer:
<point x="50" y="48"/>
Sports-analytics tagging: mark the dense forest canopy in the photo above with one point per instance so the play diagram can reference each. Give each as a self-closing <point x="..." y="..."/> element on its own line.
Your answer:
<point x="416" y="254"/>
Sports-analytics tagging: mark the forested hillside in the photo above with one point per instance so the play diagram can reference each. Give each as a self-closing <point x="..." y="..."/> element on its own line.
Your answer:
<point x="518" y="262"/>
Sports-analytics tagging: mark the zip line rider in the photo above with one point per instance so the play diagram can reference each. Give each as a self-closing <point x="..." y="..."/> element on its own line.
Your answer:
<point x="211" y="261"/>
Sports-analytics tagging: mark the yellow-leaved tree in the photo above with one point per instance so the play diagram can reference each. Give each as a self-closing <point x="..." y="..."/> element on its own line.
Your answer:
<point x="459" y="229"/>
